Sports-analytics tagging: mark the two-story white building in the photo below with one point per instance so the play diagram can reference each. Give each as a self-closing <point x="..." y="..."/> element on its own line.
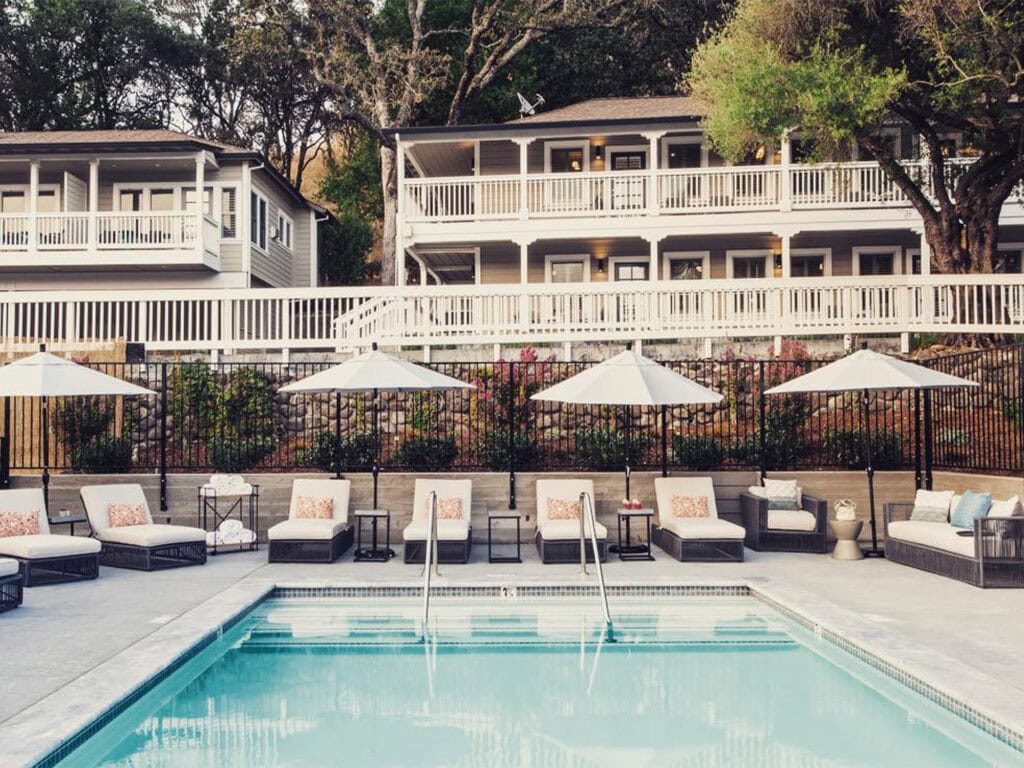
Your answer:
<point x="121" y="209"/>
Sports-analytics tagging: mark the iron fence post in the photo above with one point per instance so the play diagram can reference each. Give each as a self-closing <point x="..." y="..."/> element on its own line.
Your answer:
<point x="337" y="435"/>
<point x="1020" y="404"/>
<point x="511" y="436"/>
<point x="918" y="478"/>
<point x="163" y="437"/>
<point x="762" y="438"/>
<point x="664" y="441"/>
<point x="928" y="447"/>
<point x="5" y="447"/>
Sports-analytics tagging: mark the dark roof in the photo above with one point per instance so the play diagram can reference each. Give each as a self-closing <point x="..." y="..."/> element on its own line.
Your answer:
<point x="631" y="109"/>
<point x="43" y="142"/>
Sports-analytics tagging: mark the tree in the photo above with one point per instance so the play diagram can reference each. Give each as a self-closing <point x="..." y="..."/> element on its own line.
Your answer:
<point x="842" y="70"/>
<point x="384" y="62"/>
<point x="344" y="247"/>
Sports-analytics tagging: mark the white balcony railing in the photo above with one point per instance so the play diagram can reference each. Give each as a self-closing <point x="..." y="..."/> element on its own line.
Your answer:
<point x="352" y="318"/>
<point x="677" y="191"/>
<point x="177" y="230"/>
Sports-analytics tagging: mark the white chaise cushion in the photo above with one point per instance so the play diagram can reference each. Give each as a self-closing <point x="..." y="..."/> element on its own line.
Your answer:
<point x="698" y="528"/>
<point x="98" y="498"/>
<point x="447" y="530"/>
<point x="306" y="530"/>
<point x="23" y="499"/>
<point x="338" y="490"/>
<point x="791" y="520"/>
<point x="152" y="535"/>
<point x="932" y="534"/>
<point x="445" y="489"/>
<point x="8" y="567"/>
<point x="568" y="489"/>
<point x="44" y="545"/>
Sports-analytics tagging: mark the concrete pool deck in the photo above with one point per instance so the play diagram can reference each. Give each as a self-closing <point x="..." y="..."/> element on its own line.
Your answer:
<point x="64" y="635"/>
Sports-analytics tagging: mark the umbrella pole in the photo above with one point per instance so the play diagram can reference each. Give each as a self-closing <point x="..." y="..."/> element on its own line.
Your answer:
<point x="337" y="435"/>
<point x="45" y="422"/>
<point x="376" y="447"/>
<point x="664" y="441"/>
<point x="627" y="420"/>
<point x="874" y="551"/>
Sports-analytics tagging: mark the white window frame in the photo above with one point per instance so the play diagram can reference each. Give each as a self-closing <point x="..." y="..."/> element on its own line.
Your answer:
<point x="749" y="253"/>
<point x="889" y="131"/>
<point x="285" y="222"/>
<point x="614" y="260"/>
<point x="825" y="252"/>
<point x="253" y="239"/>
<point x="583" y="144"/>
<point x="1019" y="247"/>
<point x="218" y="210"/>
<point x="608" y="149"/>
<point x="870" y="250"/>
<point x="179" y="187"/>
<point x="668" y="141"/>
<point x="561" y="258"/>
<point x="668" y="256"/>
<point x="25" y="189"/>
<point x="475" y="252"/>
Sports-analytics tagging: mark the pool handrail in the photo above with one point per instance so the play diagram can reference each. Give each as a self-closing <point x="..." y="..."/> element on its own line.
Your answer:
<point x="587" y="505"/>
<point x="431" y="553"/>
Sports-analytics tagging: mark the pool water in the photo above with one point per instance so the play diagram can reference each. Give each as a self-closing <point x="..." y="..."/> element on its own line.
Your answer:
<point x="699" y="682"/>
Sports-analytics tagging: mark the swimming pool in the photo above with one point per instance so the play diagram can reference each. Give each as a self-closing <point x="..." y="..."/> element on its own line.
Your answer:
<point x="686" y="682"/>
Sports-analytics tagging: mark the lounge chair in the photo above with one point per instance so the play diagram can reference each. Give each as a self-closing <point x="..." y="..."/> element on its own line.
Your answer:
<point x="43" y="557"/>
<point x="991" y="554"/>
<point x="689" y="527"/>
<point x="558" y="522"/>
<point x="454" y="504"/>
<point x="120" y="518"/>
<point x="794" y="525"/>
<point x="312" y="534"/>
<point x="10" y="584"/>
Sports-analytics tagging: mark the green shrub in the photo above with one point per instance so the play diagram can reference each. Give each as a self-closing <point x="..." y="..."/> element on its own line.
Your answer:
<point x="698" y="452"/>
<point x="495" y="453"/>
<point x="845" y="448"/>
<point x="103" y="455"/>
<point x="602" y="448"/>
<point x="79" y="421"/>
<point x="427" y="454"/>
<point x="329" y="454"/>
<point x="784" y="445"/>
<point x="232" y="453"/>
<point x="1012" y="411"/>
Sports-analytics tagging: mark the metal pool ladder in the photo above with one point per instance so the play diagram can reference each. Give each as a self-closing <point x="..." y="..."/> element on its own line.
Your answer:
<point x="587" y="506"/>
<point x="430" y="557"/>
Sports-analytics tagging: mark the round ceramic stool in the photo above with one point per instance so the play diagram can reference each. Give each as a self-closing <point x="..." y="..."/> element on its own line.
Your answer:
<point x="846" y="532"/>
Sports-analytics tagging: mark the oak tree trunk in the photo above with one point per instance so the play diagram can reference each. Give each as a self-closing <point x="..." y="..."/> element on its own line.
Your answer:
<point x="389" y="184"/>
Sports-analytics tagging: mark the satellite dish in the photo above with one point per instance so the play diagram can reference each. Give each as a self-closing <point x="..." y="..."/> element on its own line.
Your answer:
<point x="526" y="108"/>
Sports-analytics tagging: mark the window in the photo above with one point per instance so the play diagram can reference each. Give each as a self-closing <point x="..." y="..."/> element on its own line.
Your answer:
<point x="130" y="200"/>
<point x="744" y="267"/>
<point x="686" y="155"/>
<point x="258" y="220"/>
<point x="567" y="269"/>
<point x="284" y="230"/>
<point x="685" y="269"/>
<point x="629" y="270"/>
<point x="1007" y="261"/>
<point x="876" y="261"/>
<point x="810" y="263"/>
<point x="46" y="201"/>
<point x="228" y="220"/>
<point x="631" y="160"/>
<point x="12" y="202"/>
<point x="161" y="200"/>
<point x="190" y="200"/>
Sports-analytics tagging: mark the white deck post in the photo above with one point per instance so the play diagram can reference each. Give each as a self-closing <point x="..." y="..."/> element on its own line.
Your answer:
<point x="652" y="169"/>
<point x="524" y="279"/>
<point x="785" y="181"/>
<point x="200" y="204"/>
<point x="94" y="202"/>
<point x="787" y="263"/>
<point x="653" y="271"/>
<point x="524" y="200"/>
<point x="926" y="256"/>
<point x="33" y="204"/>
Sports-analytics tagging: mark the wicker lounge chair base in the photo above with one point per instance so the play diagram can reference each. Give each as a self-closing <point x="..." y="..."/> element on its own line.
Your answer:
<point x="568" y="550"/>
<point x="452" y="552"/>
<point x="967" y="569"/>
<point x="58" y="570"/>
<point x="761" y="538"/>
<point x="699" y="550"/>
<point x="10" y="592"/>
<point x="153" y="558"/>
<point x="311" y="550"/>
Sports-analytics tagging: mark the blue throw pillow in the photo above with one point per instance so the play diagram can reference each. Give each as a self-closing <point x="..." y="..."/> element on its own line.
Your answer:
<point x="971" y="505"/>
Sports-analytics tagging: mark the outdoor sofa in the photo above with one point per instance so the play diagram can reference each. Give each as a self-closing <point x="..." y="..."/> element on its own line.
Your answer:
<point x="780" y="517"/>
<point x="558" y="522"/>
<point x="688" y="525"/>
<point x="10" y="584"/>
<point x="43" y="557"/>
<point x="120" y="519"/>
<point x="991" y="554"/>
<point x="454" y="502"/>
<point x="317" y="529"/>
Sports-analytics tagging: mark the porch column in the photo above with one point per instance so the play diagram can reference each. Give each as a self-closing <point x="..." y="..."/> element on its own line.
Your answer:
<point x="787" y="266"/>
<point x="653" y="206"/>
<point x="785" y="181"/>
<point x="926" y="256"/>
<point x="94" y="201"/>
<point x="400" y="277"/>
<point x="524" y="279"/>
<point x="524" y="200"/>
<point x="200" y="184"/>
<point x="33" y="204"/>
<point x="655" y="261"/>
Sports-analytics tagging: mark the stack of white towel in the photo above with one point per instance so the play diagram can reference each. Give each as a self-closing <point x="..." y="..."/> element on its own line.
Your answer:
<point x="226" y="485"/>
<point x="230" y="532"/>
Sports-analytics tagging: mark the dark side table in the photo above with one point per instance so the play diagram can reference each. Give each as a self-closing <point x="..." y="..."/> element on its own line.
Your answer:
<point x="625" y="549"/>
<point x="374" y="553"/>
<point x="493" y="517"/>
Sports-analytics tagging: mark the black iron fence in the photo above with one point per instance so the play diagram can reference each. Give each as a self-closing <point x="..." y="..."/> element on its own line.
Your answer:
<point x="231" y="417"/>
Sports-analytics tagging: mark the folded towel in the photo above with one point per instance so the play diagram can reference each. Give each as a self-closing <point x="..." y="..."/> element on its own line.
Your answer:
<point x="231" y="526"/>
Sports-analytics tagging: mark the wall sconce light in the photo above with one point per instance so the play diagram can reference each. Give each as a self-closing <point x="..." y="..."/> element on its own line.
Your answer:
<point x="599" y="152"/>
<point x="600" y="266"/>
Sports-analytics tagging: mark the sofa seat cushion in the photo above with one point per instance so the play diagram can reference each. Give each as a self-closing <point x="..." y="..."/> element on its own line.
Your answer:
<point x="935" y="535"/>
<point x="567" y="530"/>
<point x="791" y="520"/>
<point x="43" y="545"/>
<point x="696" y="528"/>
<point x="152" y="535"/>
<point x="8" y="567"/>
<point x="447" y="530"/>
<point x="306" y="530"/>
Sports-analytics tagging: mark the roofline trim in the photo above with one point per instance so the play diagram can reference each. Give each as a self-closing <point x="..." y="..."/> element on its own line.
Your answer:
<point x="432" y="130"/>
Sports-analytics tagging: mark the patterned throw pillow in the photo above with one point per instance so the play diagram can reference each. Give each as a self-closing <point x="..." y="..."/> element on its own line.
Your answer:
<point x="690" y="506"/>
<point x="122" y="515"/>
<point x="931" y="506"/>
<point x="447" y="508"/>
<point x="782" y="494"/>
<point x="563" y="509"/>
<point x="314" y="508"/>
<point x="19" y="523"/>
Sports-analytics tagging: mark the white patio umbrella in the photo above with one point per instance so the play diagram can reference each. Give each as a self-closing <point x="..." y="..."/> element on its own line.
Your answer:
<point x="866" y="371"/>
<point x="629" y="378"/>
<point x="45" y="375"/>
<point x="375" y="371"/>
